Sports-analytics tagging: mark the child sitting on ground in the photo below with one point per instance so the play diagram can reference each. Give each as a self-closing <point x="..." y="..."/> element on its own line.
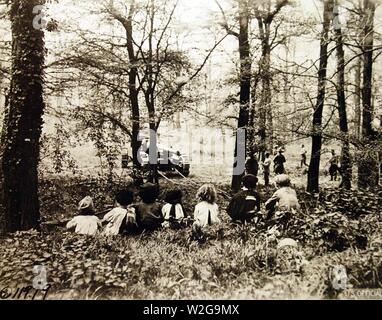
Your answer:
<point x="149" y="214"/>
<point x="246" y="204"/>
<point x="86" y="222"/>
<point x="173" y="211"/>
<point x="122" y="219"/>
<point x="206" y="211"/>
<point x="284" y="201"/>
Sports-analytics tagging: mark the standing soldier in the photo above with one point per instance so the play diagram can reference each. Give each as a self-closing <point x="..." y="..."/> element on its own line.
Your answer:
<point x="252" y="165"/>
<point x="333" y="166"/>
<point x="267" y="169"/>
<point x="303" y="157"/>
<point x="279" y="161"/>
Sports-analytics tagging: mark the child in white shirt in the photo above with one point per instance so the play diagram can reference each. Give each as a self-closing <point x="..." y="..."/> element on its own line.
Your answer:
<point x="173" y="211"/>
<point x="86" y="222"/>
<point x="121" y="219"/>
<point x="284" y="199"/>
<point x="206" y="211"/>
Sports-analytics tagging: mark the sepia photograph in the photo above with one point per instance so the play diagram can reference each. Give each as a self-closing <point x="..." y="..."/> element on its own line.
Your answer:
<point x="219" y="151"/>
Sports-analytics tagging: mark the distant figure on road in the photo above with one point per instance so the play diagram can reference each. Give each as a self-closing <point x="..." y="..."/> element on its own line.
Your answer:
<point x="252" y="165"/>
<point x="279" y="161"/>
<point x="303" y="157"/>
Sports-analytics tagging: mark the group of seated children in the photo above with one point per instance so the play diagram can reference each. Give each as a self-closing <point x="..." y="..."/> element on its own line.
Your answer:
<point x="149" y="214"/>
<point x="244" y="207"/>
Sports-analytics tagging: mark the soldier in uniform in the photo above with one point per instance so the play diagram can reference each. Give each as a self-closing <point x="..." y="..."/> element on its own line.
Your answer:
<point x="333" y="166"/>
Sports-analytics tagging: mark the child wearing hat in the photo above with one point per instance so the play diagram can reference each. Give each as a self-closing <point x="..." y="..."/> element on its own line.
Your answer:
<point x="86" y="222"/>
<point x="246" y="204"/>
<point x="122" y="219"/>
<point x="149" y="213"/>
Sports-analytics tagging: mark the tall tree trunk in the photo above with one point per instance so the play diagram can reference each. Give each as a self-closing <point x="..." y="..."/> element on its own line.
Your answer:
<point x="24" y="122"/>
<point x="367" y="167"/>
<point x="245" y="93"/>
<point x="357" y="99"/>
<point x="267" y="87"/>
<point x="3" y="216"/>
<point x="265" y="84"/>
<point x="127" y="23"/>
<point x="264" y="20"/>
<point x="253" y="146"/>
<point x="346" y="167"/>
<point x="150" y="99"/>
<point x="135" y="117"/>
<point x="133" y="77"/>
<point x="314" y="166"/>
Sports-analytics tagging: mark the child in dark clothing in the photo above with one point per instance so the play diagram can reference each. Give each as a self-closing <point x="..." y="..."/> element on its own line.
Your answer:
<point x="149" y="214"/>
<point x="245" y="204"/>
<point x="252" y="165"/>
